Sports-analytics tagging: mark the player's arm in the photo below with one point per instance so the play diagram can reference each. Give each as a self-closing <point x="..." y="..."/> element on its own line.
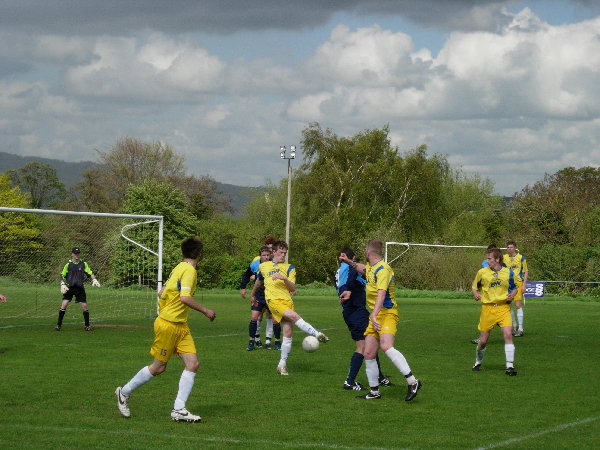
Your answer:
<point x="257" y="285"/>
<point x="88" y="270"/>
<point x="476" y="286"/>
<point x="289" y="281"/>
<point x="246" y="277"/>
<point x="360" y="268"/>
<point x="381" y="293"/>
<point x="192" y="303"/>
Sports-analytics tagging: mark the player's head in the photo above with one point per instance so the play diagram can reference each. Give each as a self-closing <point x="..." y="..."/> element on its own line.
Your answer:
<point x="511" y="247"/>
<point x="491" y="246"/>
<point x="374" y="248"/>
<point x="269" y="241"/>
<point x="75" y="251"/>
<point x="348" y="252"/>
<point x="265" y="253"/>
<point x="494" y="255"/>
<point x="280" y="249"/>
<point x="192" y="248"/>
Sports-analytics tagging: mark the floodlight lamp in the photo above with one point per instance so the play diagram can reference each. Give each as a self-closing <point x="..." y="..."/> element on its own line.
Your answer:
<point x="282" y="154"/>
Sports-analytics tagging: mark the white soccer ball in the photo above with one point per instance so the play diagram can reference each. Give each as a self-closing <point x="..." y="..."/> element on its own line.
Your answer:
<point x="310" y="344"/>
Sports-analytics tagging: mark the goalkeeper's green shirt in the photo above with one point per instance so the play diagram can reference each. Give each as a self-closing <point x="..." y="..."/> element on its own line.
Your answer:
<point x="181" y="283"/>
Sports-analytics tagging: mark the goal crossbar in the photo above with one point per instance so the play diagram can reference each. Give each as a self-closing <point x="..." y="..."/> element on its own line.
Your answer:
<point x="409" y="244"/>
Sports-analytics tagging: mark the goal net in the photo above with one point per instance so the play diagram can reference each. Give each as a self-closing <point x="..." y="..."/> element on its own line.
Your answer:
<point x="434" y="266"/>
<point x="123" y="250"/>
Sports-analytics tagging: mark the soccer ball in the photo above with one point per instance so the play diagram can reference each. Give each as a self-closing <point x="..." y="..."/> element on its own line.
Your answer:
<point x="310" y="344"/>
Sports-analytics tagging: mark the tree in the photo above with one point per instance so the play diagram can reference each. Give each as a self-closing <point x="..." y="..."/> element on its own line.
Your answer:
<point x="132" y="162"/>
<point x="41" y="182"/>
<point x="18" y="232"/>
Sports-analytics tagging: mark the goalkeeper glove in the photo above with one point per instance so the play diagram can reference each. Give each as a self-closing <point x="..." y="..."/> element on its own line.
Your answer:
<point x="95" y="283"/>
<point x="63" y="287"/>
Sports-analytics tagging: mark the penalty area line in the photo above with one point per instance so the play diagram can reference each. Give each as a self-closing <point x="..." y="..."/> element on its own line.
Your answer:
<point x="539" y="433"/>
<point x="243" y="442"/>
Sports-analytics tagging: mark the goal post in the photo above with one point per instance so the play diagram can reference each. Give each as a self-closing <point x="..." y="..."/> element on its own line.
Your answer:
<point x="124" y="251"/>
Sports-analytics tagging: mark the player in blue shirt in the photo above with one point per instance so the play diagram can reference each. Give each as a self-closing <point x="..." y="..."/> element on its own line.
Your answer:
<point x="351" y="290"/>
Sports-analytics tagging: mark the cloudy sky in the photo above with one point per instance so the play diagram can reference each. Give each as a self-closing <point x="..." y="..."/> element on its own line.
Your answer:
<point x="506" y="89"/>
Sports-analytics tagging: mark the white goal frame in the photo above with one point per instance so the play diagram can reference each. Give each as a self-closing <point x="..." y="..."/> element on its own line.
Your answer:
<point x="408" y="245"/>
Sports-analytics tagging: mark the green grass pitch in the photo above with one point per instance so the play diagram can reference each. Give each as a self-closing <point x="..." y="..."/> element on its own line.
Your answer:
<point x="57" y="388"/>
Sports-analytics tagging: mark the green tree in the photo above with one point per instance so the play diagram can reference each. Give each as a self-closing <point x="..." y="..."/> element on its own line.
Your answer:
<point x="132" y="162"/>
<point x="161" y="199"/>
<point x="18" y="232"/>
<point x="41" y="182"/>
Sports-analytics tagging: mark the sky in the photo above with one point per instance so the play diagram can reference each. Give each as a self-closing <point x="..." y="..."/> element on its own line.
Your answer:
<point x="508" y="90"/>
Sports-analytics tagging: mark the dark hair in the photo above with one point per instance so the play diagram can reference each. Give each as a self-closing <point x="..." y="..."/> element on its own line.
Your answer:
<point x="264" y="248"/>
<point x="511" y="243"/>
<point x="491" y="246"/>
<point x="270" y="240"/>
<point x="349" y="252"/>
<point x="192" y="248"/>
<point x="280" y="244"/>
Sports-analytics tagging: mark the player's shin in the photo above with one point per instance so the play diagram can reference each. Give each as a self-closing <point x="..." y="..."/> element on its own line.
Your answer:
<point x="186" y="383"/>
<point x="509" y="351"/>
<point x="372" y="374"/>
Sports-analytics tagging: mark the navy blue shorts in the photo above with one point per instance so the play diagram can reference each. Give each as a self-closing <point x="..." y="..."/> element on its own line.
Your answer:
<point x="77" y="292"/>
<point x="357" y="320"/>
<point x="262" y="305"/>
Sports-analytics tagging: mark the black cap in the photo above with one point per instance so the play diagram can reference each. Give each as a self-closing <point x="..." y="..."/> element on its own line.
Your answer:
<point x="76" y="250"/>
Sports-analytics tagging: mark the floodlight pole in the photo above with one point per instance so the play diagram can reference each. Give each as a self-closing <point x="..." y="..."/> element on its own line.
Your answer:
<point x="282" y="154"/>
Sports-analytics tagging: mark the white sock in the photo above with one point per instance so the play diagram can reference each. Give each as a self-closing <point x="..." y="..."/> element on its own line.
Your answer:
<point x="520" y="318"/>
<point x="269" y="329"/>
<point x="286" y="348"/>
<point x="401" y="364"/>
<point x="186" y="383"/>
<point x="509" y="350"/>
<point x="372" y="373"/>
<point x="140" y="378"/>
<point x="306" y="327"/>
<point x="479" y="354"/>
<point x="257" y="335"/>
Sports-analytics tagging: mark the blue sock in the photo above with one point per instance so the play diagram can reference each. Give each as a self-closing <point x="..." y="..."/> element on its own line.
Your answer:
<point x="355" y="363"/>
<point x="252" y="330"/>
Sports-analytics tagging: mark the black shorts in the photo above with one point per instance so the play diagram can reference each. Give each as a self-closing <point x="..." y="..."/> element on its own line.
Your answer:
<point x="261" y="306"/>
<point x="357" y="319"/>
<point x="77" y="292"/>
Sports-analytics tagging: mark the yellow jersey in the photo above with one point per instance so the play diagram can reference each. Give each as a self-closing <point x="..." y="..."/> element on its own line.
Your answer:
<point x="380" y="276"/>
<point x="276" y="289"/>
<point x="181" y="283"/>
<point x="494" y="286"/>
<point x="517" y="263"/>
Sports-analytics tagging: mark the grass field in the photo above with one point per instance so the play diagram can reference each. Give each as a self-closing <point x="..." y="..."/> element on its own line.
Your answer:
<point x="57" y="388"/>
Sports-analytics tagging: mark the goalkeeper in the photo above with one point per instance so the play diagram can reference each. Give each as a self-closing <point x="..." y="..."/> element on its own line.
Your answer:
<point x="71" y="285"/>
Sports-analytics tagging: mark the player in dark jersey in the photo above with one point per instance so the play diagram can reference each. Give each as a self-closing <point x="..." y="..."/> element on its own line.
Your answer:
<point x="71" y="285"/>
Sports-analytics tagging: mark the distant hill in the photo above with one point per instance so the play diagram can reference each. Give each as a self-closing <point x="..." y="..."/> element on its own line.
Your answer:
<point x="71" y="173"/>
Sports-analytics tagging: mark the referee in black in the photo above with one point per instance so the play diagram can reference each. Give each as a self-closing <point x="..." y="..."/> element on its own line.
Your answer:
<point x="71" y="285"/>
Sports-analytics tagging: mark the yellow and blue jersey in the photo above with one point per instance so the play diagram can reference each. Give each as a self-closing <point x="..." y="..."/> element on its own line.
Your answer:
<point x="276" y="289"/>
<point x="380" y="276"/>
<point x="517" y="263"/>
<point x="494" y="286"/>
<point x="181" y="283"/>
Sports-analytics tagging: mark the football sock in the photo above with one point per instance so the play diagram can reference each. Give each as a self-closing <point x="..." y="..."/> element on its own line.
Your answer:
<point x="355" y="363"/>
<point x="252" y="329"/>
<point x="306" y="327"/>
<point x="509" y="350"/>
<point x="372" y="374"/>
<point x="479" y="354"/>
<point x="520" y="318"/>
<point x="286" y="348"/>
<point x="140" y="378"/>
<point x="61" y="315"/>
<point x="277" y="330"/>
<point x="269" y="329"/>
<point x="86" y="318"/>
<point x="400" y="362"/>
<point x="257" y="333"/>
<point x="186" y="383"/>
